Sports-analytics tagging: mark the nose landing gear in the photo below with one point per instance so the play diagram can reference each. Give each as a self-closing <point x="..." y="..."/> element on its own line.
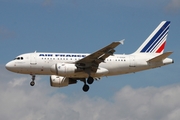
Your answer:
<point x="32" y="83"/>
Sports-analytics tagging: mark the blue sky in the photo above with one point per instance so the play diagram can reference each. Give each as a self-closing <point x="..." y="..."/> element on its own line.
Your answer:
<point x="86" y="26"/>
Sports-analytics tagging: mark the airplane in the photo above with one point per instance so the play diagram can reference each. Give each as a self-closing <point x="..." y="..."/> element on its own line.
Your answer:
<point x="67" y="68"/>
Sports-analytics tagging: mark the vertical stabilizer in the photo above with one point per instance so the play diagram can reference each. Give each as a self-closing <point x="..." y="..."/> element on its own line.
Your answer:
<point x="156" y="42"/>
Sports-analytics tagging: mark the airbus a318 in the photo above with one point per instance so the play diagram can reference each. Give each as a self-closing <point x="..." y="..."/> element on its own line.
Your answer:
<point x="68" y="68"/>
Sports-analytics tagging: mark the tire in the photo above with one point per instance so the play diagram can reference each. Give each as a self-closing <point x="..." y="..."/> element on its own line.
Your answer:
<point x="32" y="83"/>
<point x="85" y="88"/>
<point x="90" y="80"/>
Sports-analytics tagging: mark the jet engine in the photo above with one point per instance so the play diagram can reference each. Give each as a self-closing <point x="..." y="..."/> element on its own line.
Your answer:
<point x="58" y="81"/>
<point x="63" y="69"/>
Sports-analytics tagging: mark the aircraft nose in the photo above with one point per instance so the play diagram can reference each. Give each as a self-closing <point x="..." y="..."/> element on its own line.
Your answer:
<point x="9" y="66"/>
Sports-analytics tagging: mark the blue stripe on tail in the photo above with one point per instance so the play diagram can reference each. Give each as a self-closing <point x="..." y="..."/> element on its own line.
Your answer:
<point x="158" y="40"/>
<point x="163" y="30"/>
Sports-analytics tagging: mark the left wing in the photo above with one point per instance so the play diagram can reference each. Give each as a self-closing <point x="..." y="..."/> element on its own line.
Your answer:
<point x="97" y="57"/>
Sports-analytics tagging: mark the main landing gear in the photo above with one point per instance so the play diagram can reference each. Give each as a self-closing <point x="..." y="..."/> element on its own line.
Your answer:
<point x="32" y="83"/>
<point x="90" y="80"/>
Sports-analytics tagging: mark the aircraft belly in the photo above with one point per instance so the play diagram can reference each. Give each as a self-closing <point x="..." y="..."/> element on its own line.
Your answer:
<point x="116" y="68"/>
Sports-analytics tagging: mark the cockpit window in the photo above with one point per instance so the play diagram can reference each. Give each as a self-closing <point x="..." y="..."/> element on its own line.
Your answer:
<point x="19" y="58"/>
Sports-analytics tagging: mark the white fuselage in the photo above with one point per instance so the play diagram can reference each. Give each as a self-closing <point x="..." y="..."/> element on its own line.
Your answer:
<point x="41" y="64"/>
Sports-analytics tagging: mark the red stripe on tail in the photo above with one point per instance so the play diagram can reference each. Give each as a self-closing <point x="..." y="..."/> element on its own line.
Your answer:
<point x="161" y="48"/>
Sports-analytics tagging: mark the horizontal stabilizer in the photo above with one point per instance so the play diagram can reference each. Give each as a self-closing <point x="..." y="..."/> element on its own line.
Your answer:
<point x="160" y="57"/>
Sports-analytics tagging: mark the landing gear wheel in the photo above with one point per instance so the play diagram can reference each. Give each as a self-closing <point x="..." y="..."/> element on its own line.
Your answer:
<point x="85" y="88"/>
<point x="90" y="80"/>
<point x="32" y="83"/>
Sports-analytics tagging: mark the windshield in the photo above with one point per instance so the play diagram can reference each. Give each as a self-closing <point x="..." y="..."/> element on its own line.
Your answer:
<point x="18" y="58"/>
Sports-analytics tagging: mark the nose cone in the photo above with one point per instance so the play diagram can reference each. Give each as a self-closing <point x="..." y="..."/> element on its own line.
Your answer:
<point x="9" y="66"/>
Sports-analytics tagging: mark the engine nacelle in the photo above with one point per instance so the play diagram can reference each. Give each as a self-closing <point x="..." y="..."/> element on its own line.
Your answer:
<point x="58" y="81"/>
<point x="63" y="69"/>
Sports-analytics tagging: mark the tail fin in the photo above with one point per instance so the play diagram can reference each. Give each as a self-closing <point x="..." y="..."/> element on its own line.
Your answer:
<point x="155" y="43"/>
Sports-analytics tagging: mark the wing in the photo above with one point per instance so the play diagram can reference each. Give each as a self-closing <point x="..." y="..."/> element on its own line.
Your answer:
<point x="97" y="57"/>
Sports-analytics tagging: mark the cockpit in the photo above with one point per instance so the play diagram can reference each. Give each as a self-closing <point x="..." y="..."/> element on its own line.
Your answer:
<point x="18" y="58"/>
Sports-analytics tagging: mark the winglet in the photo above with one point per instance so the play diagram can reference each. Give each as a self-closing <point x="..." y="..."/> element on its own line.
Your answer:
<point x="121" y="41"/>
<point x="160" y="57"/>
